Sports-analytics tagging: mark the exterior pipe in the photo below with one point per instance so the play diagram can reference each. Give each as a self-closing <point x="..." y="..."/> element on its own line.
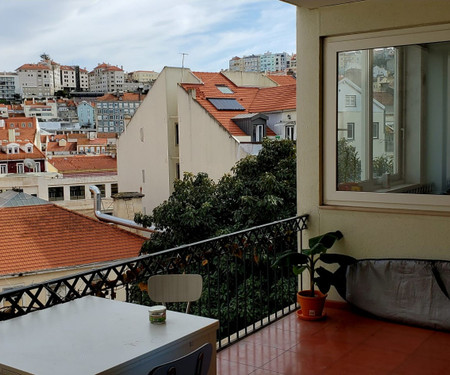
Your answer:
<point x="114" y="219"/>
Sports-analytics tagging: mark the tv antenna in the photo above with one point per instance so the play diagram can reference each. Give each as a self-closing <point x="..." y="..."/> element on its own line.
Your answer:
<point x="183" y="54"/>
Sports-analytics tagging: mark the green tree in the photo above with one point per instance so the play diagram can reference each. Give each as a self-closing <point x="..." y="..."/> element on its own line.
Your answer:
<point x="349" y="163"/>
<point x="259" y="189"/>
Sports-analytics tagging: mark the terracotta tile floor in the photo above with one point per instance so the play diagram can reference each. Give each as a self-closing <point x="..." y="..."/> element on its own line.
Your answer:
<point x="344" y="343"/>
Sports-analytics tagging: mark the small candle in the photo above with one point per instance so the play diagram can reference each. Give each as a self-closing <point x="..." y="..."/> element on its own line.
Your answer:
<point x="157" y="314"/>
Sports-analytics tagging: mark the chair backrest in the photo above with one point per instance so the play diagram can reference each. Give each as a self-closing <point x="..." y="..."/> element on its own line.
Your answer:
<point x="194" y="363"/>
<point x="175" y="288"/>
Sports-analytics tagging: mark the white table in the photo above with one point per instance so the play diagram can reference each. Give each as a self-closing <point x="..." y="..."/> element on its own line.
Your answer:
<point x="94" y="335"/>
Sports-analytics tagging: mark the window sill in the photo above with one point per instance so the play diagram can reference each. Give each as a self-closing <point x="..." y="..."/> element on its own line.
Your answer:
<point x="384" y="210"/>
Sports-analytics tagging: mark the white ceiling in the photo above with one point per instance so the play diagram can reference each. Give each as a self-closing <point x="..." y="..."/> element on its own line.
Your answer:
<point x="318" y="3"/>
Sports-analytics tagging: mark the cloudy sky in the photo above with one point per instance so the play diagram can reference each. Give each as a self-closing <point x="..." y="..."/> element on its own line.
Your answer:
<point x="143" y="34"/>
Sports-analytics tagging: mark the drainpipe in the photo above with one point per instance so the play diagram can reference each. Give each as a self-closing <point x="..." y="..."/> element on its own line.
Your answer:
<point x="114" y="219"/>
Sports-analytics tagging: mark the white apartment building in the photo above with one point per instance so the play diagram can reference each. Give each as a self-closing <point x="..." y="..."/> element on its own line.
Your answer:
<point x="267" y="62"/>
<point x="273" y="62"/>
<point x="74" y="79"/>
<point x="9" y="85"/>
<point x="144" y="76"/>
<point x="106" y="78"/>
<point x="38" y="79"/>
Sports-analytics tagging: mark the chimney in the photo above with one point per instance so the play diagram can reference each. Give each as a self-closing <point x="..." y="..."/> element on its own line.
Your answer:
<point x="12" y="135"/>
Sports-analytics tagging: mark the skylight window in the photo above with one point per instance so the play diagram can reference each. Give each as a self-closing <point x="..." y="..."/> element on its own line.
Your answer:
<point x="224" y="89"/>
<point x="223" y="104"/>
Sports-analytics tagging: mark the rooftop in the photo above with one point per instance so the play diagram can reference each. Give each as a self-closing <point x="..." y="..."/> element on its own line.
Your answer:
<point x="84" y="164"/>
<point x="246" y="99"/>
<point x="71" y="239"/>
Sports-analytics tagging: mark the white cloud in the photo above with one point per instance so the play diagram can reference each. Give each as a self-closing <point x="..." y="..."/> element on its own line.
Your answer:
<point x="144" y="34"/>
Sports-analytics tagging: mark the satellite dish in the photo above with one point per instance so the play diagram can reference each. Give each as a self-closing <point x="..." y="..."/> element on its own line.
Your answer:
<point x="30" y="164"/>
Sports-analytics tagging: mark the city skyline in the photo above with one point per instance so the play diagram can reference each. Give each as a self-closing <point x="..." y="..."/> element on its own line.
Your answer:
<point x="145" y="35"/>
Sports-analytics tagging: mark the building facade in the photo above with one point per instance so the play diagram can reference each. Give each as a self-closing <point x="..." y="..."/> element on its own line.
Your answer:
<point x="204" y="124"/>
<point x="106" y="78"/>
<point x="403" y="214"/>
<point x="9" y="86"/>
<point x="113" y="110"/>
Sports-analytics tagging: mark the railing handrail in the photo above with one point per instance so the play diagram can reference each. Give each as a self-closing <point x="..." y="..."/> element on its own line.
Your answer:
<point x="126" y="261"/>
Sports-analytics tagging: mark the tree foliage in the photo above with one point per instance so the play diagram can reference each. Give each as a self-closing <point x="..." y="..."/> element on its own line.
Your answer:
<point x="260" y="189"/>
<point x="349" y="163"/>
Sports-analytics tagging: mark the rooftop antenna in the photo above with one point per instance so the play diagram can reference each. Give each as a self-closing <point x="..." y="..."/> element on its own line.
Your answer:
<point x="182" y="64"/>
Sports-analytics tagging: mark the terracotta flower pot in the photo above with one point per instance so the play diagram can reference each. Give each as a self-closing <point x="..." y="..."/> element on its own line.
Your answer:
<point x="311" y="308"/>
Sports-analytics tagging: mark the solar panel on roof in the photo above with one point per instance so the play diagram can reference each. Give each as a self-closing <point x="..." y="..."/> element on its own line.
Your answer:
<point x="225" y="104"/>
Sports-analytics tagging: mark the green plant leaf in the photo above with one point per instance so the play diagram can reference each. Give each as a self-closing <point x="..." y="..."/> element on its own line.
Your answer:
<point x="298" y="270"/>
<point x="341" y="259"/>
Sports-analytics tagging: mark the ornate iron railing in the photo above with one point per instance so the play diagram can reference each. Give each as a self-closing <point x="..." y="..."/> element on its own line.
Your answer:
<point x="241" y="288"/>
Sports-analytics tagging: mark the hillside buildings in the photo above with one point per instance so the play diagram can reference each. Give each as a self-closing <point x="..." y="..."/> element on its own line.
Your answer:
<point x="266" y="62"/>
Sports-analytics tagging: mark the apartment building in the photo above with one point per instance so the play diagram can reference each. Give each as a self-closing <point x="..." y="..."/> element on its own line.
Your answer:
<point x="9" y="85"/>
<point x="267" y="62"/>
<point x="143" y="76"/>
<point x="73" y="78"/>
<point x="114" y="109"/>
<point x="200" y="122"/>
<point x="106" y="78"/>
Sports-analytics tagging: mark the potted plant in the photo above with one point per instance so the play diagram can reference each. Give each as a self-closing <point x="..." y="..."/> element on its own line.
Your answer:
<point x="312" y="301"/>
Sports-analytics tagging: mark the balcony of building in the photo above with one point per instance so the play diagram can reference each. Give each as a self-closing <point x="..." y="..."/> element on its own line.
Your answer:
<point x="255" y="304"/>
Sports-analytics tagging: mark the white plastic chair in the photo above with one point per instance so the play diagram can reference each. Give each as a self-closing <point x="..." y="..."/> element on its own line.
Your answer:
<point x="175" y="288"/>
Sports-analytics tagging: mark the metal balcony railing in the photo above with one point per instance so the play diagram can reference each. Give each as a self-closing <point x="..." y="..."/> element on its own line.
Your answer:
<point x="240" y="287"/>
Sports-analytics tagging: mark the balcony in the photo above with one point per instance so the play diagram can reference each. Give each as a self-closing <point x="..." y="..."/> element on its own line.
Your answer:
<point x="345" y="342"/>
<point x="255" y="304"/>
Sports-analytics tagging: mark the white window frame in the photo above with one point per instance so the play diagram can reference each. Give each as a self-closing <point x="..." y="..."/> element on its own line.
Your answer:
<point x="350" y="131"/>
<point x="20" y="168"/>
<point x="289" y="132"/>
<point x="332" y="46"/>
<point x="3" y="168"/>
<point x="259" y="133"/>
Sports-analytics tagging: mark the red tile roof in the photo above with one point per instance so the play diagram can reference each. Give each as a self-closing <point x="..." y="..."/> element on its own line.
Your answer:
<point x="55" y="147"/>
<point x="107" y="135"/>
<point x="126" y="97"/>
<point x="265" y="99"/>
<point x="33" y="67"/>
<point x="47" y="236"/>
<point x="275" y="99"/>
<point x="92" y="142"/>
<point x="107" y="67"/>
<point x="283" y="79"/>
<point x="84" y="164"/>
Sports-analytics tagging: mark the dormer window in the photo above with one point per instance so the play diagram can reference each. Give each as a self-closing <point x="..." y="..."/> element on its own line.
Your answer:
<point x="13" y="148"/>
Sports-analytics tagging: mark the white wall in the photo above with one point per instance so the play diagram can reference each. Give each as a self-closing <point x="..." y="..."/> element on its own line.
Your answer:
<point x="205" y="145"/>
<point x="147" y="155"/>
<point x="368" y="232"/>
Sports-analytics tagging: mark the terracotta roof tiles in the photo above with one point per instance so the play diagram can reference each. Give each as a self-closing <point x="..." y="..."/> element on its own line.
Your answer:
<point x="283" y="79"/>
<point x="253" y="99"/>
<point x="84" y="164"/>
<point x="26" y="245"/>
<point x="126" y="97"/>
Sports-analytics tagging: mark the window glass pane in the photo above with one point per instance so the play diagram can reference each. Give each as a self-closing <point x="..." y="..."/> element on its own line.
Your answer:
<point x="393" y="132"/>
<point x="77" y="192"/>
<point x="56" y="193"/>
